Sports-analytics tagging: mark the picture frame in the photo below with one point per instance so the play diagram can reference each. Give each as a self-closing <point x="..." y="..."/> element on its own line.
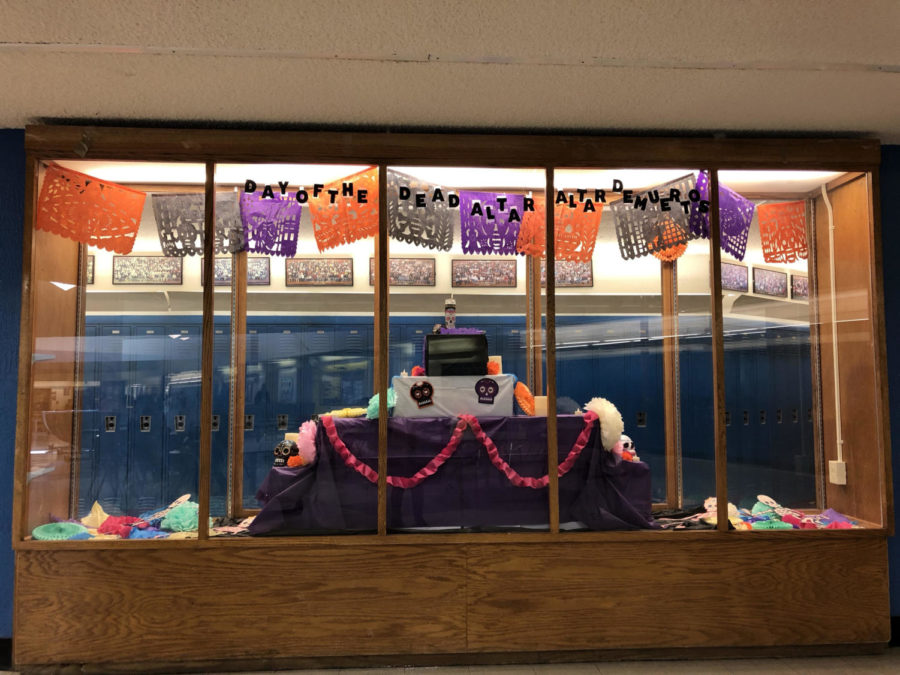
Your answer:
<point x="318" y="271"/>
<point x="258" y="271"/>
<point x="89" y="271"/>
<point x="479" y="273"/>
<point x="570" y="274"/>
<point x="735" y="277"/>
<point x="407" y="272"/>
<point x="143" y="270"/>
<point x="770" y="282"/>
<point x="799" y="287"/>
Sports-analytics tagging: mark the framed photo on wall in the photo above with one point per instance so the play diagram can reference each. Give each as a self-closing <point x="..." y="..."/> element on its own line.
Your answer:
<point x="570" y="274"/>
<point x="147" y="269"/>
<point x="89" y="272"/>
<point x="770" y="282"/>
<point x="799" y="287"/>
<point x="735" y="277"/>
<point x="258" y="272"/>
<point x="318" y="271"/>
<point x="475" y="273"/>
<point x="407" y="272"/>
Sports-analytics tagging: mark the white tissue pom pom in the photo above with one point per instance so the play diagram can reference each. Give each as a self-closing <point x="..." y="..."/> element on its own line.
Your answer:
<point x="611" y="424"/>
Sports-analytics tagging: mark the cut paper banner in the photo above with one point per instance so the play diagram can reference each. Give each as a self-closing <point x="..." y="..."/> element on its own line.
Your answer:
<point x="735" y="216"/>
<point x="574" y="228"/>
<point x="271" y="225"/>
<point x="782" y="231"/>
<point x="347" y="218"/>
<point x="179" y="221"/>
<point x="532" y="238"/>
<point x="429" y="226"/>
<point x="490" y="222"/>
<point x="88" y="210"/>
<point x="641" y="231"/>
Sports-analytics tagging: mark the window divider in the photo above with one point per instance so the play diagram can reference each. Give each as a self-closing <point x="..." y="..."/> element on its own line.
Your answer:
<point x="206" y="358"/>
<point x="552" y="445"/>
<point x="381" y="343"/>
<point x="671" y="402"/>
<point x="718" y="354"/>
<point x="26" y="348"/>
<point x="238" y="383"/>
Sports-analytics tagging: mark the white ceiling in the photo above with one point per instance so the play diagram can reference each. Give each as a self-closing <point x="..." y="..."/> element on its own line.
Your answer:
<point x="830" y="67"/>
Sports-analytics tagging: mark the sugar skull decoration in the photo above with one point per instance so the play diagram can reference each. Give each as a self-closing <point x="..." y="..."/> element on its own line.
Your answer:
<point x="624" y="449"/>
<point x="487" y="389"/>
<point x="421" y="393"/>
<point x="284" y="451"/>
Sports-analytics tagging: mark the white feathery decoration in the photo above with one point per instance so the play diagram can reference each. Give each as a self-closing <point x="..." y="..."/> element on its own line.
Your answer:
<point x="611" y="424"/>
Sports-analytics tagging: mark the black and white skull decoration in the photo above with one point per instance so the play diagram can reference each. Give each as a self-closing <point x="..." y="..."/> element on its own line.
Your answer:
<point x="487" y="389"/>
<point x="284" y="451"/>
<point x="627" y="443"/>
<point x="421" y="393"/>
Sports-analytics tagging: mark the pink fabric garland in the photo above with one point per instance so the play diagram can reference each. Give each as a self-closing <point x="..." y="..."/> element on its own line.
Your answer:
<point x="367" y="472"/>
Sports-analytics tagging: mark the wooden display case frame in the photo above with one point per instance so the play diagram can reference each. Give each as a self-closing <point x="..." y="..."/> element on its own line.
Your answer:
<point x="481" y="598"/>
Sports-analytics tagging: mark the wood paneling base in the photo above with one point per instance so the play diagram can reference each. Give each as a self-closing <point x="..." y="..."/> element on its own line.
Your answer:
<point x="435" y="603"/>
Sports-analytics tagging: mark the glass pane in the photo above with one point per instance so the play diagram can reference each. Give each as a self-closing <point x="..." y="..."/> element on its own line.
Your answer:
<point x="617" y="233"/>
<point x="306" y="350"/>
<point x="464" y="334"/>
<point x="116" y="397"/>
<point x="781" y="323"/>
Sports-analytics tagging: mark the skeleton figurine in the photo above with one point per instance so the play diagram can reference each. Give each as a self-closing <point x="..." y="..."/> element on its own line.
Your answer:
<point x="284" y="451"/>
<point x="625" y="449"/>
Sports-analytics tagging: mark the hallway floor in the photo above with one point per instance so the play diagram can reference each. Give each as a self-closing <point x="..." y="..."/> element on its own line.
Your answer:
<point x="889" y="662"/>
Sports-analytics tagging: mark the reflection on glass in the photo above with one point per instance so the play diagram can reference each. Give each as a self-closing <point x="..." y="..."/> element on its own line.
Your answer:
<point x="778" y="343"/>
<point x="306" y="346"/>
<point x="116" y="399"/>
<point x="465" y="353"/>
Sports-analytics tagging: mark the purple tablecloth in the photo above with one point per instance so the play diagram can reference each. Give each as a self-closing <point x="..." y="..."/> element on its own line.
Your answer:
<point x="467" y="492"/>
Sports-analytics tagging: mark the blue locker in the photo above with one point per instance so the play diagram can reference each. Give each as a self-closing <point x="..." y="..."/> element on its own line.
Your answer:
<point x="579" y="375"/>
<point x="321" y="383"/>
<point x="513" y="349"/>
<point x="290" y="380"/>
<point x="608" y="377"/>
<point x="114" y="397"/>
<point x="354" y="363"/>
<point x="411" y="346"/>
<point x="90" y="421"/>
<point x="146" y="460"/>
<point x="257" y="456"/>
<point x="182" y="409"/>
<point x="395" y="351"/>
<point x="221" y="398"/>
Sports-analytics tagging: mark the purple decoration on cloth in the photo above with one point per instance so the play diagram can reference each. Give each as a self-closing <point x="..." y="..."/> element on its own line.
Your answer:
<point x="467" y="492"/>
<point x="271" y="226"/>
<point x="494" y="230"/>
<point x="735" y="216"/>
<point x="460" y="331"/>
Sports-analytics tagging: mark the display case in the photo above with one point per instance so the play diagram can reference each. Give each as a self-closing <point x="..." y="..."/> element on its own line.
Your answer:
<point x="476" y="385"/>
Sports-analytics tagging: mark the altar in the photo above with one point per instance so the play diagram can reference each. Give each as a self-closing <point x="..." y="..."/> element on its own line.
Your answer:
<point x="455" y="474"/>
